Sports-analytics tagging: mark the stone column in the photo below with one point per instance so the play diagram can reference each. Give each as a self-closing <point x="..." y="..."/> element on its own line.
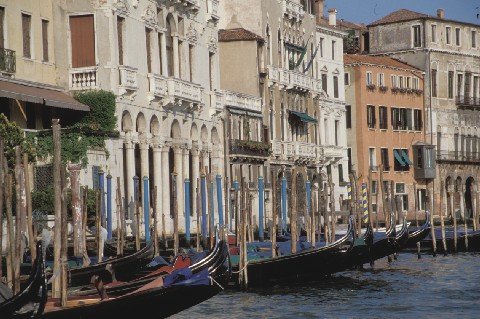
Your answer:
<point x="178" y="168"/>
<point x="461" y="192"/>
<point x="176" y="60"/>
<point x="165" y="189"/>
<point x="195" y="178"/>
<point x="157" y="179"/>
<point x="186" y="164"/>
<point x="130" y="164"/>
<point x="163" y="50"/>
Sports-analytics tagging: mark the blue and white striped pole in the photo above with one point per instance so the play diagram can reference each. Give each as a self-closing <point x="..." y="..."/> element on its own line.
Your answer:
<point x="146" y="208"/>
<point x="219" y="199"/>
<point x="261" y="195"/>
<point x="109" y="206"/>
<point x="187" y="210"/>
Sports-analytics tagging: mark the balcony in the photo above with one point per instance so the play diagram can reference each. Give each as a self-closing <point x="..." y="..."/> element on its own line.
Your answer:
<point x="184" y="94"/>
<point x="189" y="5"/>
<point x="303" y="152"/>
<point x="467" y="101"/>
<point x="333" y="152"/>
<point x="293" y="9"/>
<point x="293" y="80"/>
<point x="242" y="101"/>
<point x="216" y="103"/>
<point x="300" y="81"/>
<point x="7" y="61"/>
<point x="83" y="78"/>
<point x="157" y="86"/>
<point x="212" y="10"/>
<point x="128" y="79"/>
<point x="458" y="157"/>
<point x="249" y="148"/>
<point x="273" y="73"/>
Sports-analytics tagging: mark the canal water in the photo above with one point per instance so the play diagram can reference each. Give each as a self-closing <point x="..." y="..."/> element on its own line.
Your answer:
<point x="430" y="287"/>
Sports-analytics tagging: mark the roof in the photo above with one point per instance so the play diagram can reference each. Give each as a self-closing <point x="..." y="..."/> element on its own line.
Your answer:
<point x="408" y="15"/>
<point x="348" y="25"/>
<point x="377" y="60"/>
<point x="30" y="93"/>
<point x="238" y="34"/>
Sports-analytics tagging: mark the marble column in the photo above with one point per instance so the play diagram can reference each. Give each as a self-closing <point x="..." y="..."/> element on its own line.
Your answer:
<point x="178" y="168"/>
<point x="130" y="165"/>
<point x="165" y="189"/>
<point x="163" y="51"/>
<point x="157" y="179"/>
<point x="176" y="60"/>
<point x="195" y="177"/>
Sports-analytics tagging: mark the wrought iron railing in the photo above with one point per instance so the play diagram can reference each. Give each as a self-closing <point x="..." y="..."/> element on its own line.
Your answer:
<point x="8" y="62"/>
<point x="249" y="148"/>
<point x="468" y="101"/>
<point x="458" y="156"/>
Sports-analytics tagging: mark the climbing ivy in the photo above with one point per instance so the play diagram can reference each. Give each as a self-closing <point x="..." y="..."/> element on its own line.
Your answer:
<point x="42" y="200"/>
<point x="13" y="136"/>
<point x="102" y="109"/>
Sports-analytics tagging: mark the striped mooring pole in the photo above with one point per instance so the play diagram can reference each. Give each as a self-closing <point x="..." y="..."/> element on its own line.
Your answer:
<point x="365" y="202"/>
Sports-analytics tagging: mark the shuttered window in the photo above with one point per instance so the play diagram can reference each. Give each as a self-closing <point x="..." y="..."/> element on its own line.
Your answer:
<point x="26" y="31"/>
<point x="83" y="41"/>
<point x="2" y="27"/>
<point x="148" y="38"/>
<point x="45" y="40"/>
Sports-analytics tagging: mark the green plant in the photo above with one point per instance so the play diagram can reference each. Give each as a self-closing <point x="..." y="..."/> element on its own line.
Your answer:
<point x="13" y="136"/>
<point x="102" y="110"/>
<point x="42" y="200"/>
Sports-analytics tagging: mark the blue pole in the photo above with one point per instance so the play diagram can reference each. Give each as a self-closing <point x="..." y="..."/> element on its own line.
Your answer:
<point x="109" y="206"/>
<point x="308" y="189"/>
<point x="203" y="193"/>
<point x="261" y="193"/>
<point x="220" y="199"/>
<point x="146" y="208"/>
<point x="284" y="203"/>
<point x="187" y="210"/>
<point x="212" y="208"/>
<point x="101" y="186"/>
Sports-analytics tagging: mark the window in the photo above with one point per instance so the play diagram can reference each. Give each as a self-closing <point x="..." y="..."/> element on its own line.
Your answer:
<point x="348" y="116"/>
<point x="401" y="118"/>
<point x="45" y="40"/>
<point x="408" y="82"/>
<point x="384" y="158"/>
<point x="457" y="36"/>
<point x="416" y="83"/>
<point x="83" y="41"/>
<point x="417" y="117"/>
<point x="434" y="33"/>
<point x="372" y="158"/>
<point x="394" y="81"/>
<point x="400" y="160"/>
<point x="369" y="78"/>
<point x="321" y="47"/>
<point x="371" y="116"/>
<point x="335" y="86"/>
<point x="26" y="31"/>
<point x="383" y="118"/>
<point x="374" y="187"/>
<point x="474" y="39"/>
<point x="421" y="198"/>
<point x="324" y="82"/>
<point x="337" y="125"/>
<point x="350" y="164"/>
<point x="211" y="65"/>
<point x="340" y="174"/>
<point x="459" y="84"/>
<point x="191" y="59"/>
<point x="404" y="199"/>
<point x="120" y="39"/>
<point x="400" y="82"/>
<point x="417" y="36"/>
<point x="2" y="27"/>
<point x="450" y="84"/>
<point x="169" y="46"/>
<point x="381" y="79"/>
<point x="333" y="50"/>
<point x="448" y="35"/>
<point x="148" y="38"/>
<point x="434" y="82"/>
<point x="347" y="78"/>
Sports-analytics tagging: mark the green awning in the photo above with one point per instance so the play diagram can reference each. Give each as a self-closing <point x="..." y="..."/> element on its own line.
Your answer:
<point x="398" y="157"/>
<point x="405" y="157"/>
<point x="303" y="117"/>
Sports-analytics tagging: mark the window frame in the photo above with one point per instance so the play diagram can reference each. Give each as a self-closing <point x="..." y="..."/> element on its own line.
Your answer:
<point x="30" y="34"/>
<point x="433" y="33"/>
<point x="380" y="120"/>
<point x="473" y="36"/>
<point x="346" y="78"/>
<point x="369" y="78"/>
<point x="458" y="36"/>
<point x="416" y="43"/>
<point x="381" y="79"/>
<point x="371" y="118"/>
<point x="448" y="35"/>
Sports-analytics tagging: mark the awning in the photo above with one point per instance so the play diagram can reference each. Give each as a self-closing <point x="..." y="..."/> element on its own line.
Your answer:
<point x="304" y="117"/>
<point x="405" y="158"/>
<point x="398" y="157"/>
<point x="35" y="94"/>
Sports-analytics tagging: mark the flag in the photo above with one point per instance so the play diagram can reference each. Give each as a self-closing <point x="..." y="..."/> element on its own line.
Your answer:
<point x="302" y="55"/>
<point x="310" y="63"/>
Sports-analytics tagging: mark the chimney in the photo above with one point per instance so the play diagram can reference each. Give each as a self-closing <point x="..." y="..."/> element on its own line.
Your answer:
<point x="319" y="10"/>
<point x="441" y="13"/>
<point x="332" y="17"/>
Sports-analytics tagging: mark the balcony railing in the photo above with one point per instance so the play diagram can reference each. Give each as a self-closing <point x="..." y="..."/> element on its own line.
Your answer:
<point x="467" y="101"/>
<point x="298" y="151"/>
<point x="249" y="148"/>
<point x="216" y="103"/>
<point x="128" y="79"/>
<point x="333" y="151"/>
<point x="294" y="80"/>
<point x="157" y="86"/>
<point x="83" y="78"/>
<point x="7" y="61"/>
<point x="183" y="91"/>
<point x="294" y="10"/>
<point x="452" y="156"/>
<point x="242" y="101"/>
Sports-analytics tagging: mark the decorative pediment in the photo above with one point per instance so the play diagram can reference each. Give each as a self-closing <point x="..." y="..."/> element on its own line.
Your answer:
<point x="150" y="17"/>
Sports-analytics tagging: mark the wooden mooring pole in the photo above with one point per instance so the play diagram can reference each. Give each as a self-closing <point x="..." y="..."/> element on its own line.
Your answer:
<point x="20" y="216"/>
<point x="443" y="200"/>
<point x="2" y="188"/>
<point x="273" y="235"/>
<point x="57" y="204"/>
<point x="28" y="198"/>
<point x="416" y="217"/>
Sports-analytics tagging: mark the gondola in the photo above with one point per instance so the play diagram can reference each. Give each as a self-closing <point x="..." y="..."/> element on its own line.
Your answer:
<point x="31" y="301"/>
<point x="120" y="268"/>
<point x="473" y="238"/>
<point x="307" y="264"/>
<point x="419" y="234"/>
<point x="160" y="298"/>
<point x="116" y="289"/>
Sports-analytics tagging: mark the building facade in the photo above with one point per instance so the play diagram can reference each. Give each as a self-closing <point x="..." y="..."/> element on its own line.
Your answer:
<point x="448" y="52"/>
<point x="385" y="117"/>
